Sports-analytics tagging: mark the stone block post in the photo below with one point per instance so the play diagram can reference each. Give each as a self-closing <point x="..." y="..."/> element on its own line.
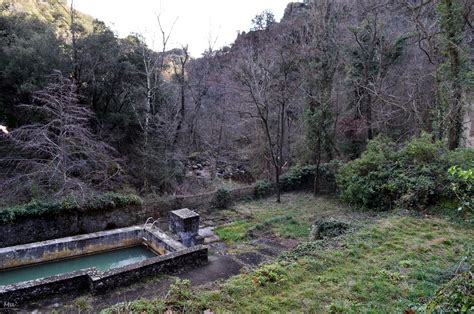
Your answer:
<point x="185" y="224"/>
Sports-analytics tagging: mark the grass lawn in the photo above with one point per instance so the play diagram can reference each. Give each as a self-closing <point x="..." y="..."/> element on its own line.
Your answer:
<point x="290" y="219"/>
<point x="389" y="264"/>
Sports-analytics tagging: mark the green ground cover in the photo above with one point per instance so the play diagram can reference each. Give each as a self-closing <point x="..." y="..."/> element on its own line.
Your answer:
<point x="388" y="264"/>
<point x="290" y="219"/>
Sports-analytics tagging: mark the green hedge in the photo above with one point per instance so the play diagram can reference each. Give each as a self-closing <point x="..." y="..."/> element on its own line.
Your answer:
<point x="415" y="175"/>
<point x="37" y="209"/>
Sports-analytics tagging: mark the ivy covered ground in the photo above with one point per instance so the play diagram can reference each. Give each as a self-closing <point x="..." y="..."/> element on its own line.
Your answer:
<point x="388" y="262"/>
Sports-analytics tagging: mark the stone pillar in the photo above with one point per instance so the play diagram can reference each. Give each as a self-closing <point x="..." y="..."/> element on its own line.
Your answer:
<point x="185" y="224"/>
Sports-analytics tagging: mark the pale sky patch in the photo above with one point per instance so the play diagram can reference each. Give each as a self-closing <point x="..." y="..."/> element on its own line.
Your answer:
<point x="198" y="20"/>
<point x="4" y="129"/>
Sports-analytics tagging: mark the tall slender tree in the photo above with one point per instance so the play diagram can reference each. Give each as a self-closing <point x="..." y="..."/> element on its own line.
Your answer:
<point x="321" y="54"/>
<point x="370" y="59"/>
<point x="267" y="78"/>
<point x="454" y="69"/>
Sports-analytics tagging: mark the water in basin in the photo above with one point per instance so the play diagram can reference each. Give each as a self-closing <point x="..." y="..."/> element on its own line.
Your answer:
<point x="102" y="261"/>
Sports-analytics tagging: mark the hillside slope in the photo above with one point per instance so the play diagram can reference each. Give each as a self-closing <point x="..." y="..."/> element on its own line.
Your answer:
<point x="55" y="12"/>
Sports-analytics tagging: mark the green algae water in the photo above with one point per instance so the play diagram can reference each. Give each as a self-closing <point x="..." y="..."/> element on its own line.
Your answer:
<point x="102" y="261"/>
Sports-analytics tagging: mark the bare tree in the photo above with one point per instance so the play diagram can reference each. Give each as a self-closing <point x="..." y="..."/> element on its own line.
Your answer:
<point x="199" y="85"/>
<point x="59" y="154"/>
<point x="268" y="84"/>
<point x="179" y="67"/>
<point x="426" y="36"/>
<point x="154" y="66"/>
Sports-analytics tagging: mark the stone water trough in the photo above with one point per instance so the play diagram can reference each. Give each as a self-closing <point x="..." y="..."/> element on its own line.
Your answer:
<point x="164" y="254"/>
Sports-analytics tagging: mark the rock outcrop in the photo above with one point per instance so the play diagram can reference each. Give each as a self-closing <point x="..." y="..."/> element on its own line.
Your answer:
<point x="294" y="9"/>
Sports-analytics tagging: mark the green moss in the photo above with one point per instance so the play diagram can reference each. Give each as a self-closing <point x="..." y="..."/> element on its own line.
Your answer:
<point x="180" y="299"/>
<point x="36" y="208"/>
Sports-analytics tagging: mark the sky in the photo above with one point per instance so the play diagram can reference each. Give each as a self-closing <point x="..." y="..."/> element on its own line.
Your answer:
<point x="198" y="22"/>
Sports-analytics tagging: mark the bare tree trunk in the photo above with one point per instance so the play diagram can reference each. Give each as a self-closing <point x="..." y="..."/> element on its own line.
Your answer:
<point x="181" y="74"/>
<point x="75" y="70"/>
<point x="318" y="165"/>
<point x="146" y="125"/>
<point x="279" y="163"/>
<point x="278" y="185"/>
<point x="370" y="134"/>
<point x="368" y="102"/>
<point x="153" y="65"/>
<point x="181" y="114"/>
<point x="456" y="119"/>
<point x="217" y="151"/>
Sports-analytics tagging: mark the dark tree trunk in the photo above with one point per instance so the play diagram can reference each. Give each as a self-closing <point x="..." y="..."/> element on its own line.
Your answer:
<point x="278" y="185"/>
<point x="370" y="134"/>
<point x="182" y="111"/>
<point x="318" y="165"/>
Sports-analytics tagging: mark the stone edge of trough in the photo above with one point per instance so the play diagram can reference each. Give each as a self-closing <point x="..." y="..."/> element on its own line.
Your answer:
<point x="95" y="281"/>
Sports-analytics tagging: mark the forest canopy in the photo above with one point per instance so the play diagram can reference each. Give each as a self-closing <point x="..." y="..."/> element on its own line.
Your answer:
<point x="315" y="87"/>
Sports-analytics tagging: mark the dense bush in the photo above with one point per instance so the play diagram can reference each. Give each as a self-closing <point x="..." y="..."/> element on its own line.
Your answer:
<point x="456" y="296"/>
<point x="328" y="173"/>
<point x="328" y="228"/>
<point x="415" y="175"/>
<point x="263" y="188"/>
<point x="50" y="208"/>
<point x="298" y="177"/>
<point x="302" y="177"/>
<point x="222" y="199"/>
<point x="463" y="187"/>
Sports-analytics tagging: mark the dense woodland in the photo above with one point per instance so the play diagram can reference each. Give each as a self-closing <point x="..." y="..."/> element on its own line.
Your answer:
<point x="355" y="116"/>
<point x="86" y="111"/>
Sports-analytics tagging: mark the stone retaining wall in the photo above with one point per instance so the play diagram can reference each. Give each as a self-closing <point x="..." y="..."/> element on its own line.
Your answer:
<point x="83" y="222"/>
<point x="69" y="224"/>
